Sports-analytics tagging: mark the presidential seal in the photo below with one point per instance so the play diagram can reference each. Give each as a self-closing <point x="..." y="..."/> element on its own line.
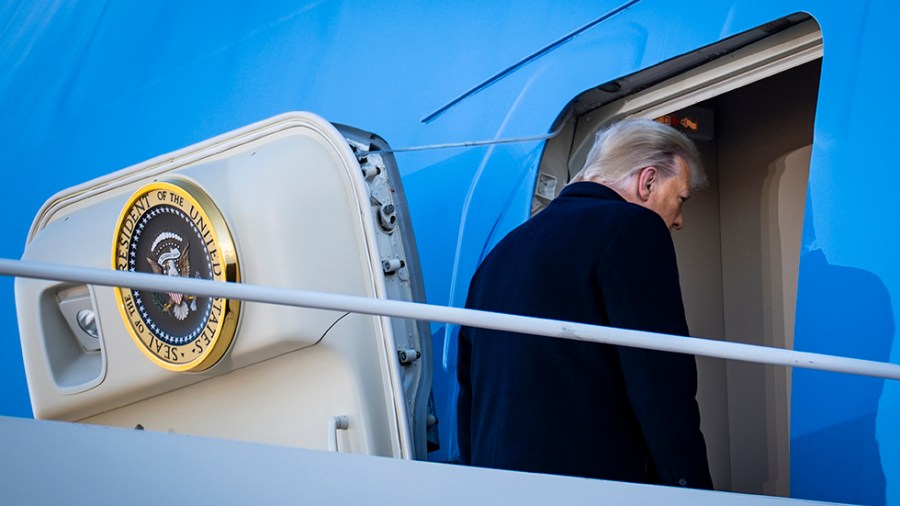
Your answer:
<point x="172" y="228"/>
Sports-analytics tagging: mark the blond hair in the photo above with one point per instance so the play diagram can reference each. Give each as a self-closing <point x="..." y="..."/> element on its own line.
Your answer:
<point x="622" y="149"/>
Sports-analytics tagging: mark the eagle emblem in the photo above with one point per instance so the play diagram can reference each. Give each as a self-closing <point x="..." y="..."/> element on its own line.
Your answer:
<point x="172" y="228"/>
<point x="169" y="257"/>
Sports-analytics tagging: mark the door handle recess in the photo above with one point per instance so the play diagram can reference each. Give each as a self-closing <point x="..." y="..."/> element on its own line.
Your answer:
<point x="335" y="424"/>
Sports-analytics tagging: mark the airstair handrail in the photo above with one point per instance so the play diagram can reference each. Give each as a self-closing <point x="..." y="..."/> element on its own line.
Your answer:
<point x="468" y="317"/>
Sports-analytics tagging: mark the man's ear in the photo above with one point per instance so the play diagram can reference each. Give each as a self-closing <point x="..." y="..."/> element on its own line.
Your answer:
<point x="647" y="182"/>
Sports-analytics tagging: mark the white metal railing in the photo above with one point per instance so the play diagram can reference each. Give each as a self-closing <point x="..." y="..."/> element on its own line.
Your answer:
<point x="468" y="317"/>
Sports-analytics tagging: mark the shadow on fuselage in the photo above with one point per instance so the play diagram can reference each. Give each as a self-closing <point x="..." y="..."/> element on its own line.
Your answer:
<point x="835" y="455"/>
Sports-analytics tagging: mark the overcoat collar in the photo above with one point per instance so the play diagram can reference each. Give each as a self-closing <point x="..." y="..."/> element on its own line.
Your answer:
<point x="589" y="189"/>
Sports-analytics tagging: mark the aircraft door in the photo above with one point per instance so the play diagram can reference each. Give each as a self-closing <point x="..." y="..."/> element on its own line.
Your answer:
<point x="288" y="202"/>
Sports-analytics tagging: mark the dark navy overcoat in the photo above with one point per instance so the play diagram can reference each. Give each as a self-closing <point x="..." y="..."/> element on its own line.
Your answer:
<point x="558" y="406"/>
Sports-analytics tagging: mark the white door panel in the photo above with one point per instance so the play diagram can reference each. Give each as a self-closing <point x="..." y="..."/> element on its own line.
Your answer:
<point x="300" y="214"/>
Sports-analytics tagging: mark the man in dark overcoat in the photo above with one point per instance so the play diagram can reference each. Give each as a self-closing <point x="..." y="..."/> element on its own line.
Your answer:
<point x="601" y="253"/>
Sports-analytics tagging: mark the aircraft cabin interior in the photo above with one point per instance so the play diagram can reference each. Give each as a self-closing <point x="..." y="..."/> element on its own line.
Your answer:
<point x="751" y="114"/>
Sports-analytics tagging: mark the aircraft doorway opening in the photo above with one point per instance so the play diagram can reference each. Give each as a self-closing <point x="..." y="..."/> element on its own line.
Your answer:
<point x="752" y="116"/>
